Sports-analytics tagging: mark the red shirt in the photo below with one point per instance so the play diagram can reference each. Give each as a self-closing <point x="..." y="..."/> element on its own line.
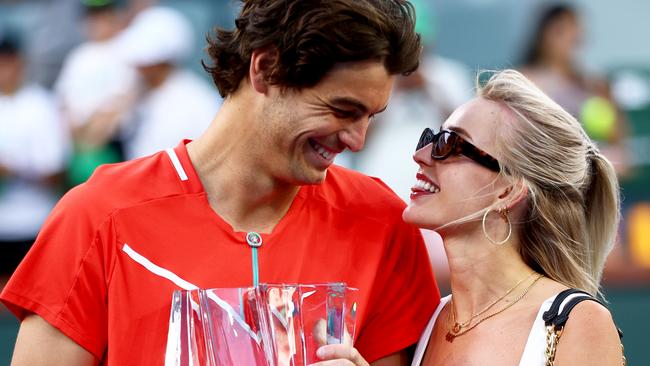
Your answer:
<point x="83" y="279"/>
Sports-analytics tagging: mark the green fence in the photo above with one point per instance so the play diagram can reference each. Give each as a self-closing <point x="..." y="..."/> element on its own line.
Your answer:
<point x="8" y="331"/>
<point x="631" y="311"/>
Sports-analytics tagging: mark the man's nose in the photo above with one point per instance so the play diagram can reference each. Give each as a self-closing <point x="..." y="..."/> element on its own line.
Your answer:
<point x="354" y="135"/>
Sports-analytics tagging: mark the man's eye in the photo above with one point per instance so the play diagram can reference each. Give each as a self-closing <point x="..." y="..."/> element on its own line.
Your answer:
<point x="343" y="113"/>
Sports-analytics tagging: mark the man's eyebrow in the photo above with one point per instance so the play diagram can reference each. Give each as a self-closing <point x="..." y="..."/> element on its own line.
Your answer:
<point x="349" y="103"/>
<point x="353" y="103"/>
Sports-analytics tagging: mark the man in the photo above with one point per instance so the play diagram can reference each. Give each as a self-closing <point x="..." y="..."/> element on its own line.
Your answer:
<point x="174" y="102"/>
<point x="301" y="81"/>
<point x="33" y="149"/>
<point x="96" y="88"/>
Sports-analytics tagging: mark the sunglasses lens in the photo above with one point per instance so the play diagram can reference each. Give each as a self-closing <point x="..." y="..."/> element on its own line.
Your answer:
<point x="425" y="139"/>
<point x="444" y="144"/>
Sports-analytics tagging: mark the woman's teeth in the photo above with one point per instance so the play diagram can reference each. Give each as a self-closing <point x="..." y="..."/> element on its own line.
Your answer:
<point x="427" y="186"/>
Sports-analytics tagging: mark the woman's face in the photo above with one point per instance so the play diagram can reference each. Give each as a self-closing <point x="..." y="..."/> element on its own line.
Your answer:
<point x="562" y="38"/>
<point x="457" y="186"/>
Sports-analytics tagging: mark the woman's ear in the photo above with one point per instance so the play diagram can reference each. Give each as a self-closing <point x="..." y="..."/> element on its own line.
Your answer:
<point x="262" y="61"/>
<point x="513" y="194"/>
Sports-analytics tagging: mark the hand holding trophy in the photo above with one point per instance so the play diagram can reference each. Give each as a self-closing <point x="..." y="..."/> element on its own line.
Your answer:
<point x="270" y="325"/>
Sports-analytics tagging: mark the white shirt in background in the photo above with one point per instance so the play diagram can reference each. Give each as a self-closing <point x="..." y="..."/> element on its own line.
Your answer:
<point x="181" y="108"/>
<point x="33" y="145"/>
<point x="94" y="76"/>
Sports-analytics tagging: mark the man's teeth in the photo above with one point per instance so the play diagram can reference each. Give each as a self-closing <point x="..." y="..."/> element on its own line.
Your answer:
<point x="324" y="153"/>
<point x="427" y="186"/>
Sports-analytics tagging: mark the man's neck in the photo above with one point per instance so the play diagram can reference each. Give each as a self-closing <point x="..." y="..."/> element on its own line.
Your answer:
<point x="10" y="88"/>
<point x="239" y="189"/>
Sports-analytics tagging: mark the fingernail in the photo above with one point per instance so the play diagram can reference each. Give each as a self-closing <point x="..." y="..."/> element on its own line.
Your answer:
<point x="321" y="353"/>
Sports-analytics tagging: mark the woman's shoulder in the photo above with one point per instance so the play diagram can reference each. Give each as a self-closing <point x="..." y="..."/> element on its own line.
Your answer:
<point x="590" y="319"/>
<point x="584" y="312"/>
<point x="544" y="292"/>
<point x="589" y="337"/>
<point x="591" y="313"/>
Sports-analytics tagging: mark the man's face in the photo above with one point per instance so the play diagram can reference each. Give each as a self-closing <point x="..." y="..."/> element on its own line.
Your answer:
<point x="153" y="76"/>
<point x="103" y="25"/>
<point x="304" y="130"/>
<point x="10" y="71"/>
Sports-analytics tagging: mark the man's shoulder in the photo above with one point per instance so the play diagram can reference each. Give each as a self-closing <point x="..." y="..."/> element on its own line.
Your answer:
<point x="95" y="50"/>
<point x="349" y="189"/>
<point x="35" y="94"/>
<point x="115" y="186"/>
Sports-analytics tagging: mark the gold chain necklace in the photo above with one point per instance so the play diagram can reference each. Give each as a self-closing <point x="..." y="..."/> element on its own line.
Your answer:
<point x="452" y="333"/>
<point x="458" y="326"/>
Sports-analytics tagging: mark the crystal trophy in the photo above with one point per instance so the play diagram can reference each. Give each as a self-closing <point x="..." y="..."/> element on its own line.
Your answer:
<point x="270" y="325"/>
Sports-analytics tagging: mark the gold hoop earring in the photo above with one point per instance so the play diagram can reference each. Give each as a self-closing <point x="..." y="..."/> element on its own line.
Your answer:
<point x="504" y="213"/>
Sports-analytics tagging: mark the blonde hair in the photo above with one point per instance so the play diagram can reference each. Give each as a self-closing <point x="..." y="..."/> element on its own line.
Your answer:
<point x="573" y="210"/>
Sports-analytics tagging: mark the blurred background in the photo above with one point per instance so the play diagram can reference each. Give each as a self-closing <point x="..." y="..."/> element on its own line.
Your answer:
<point x="82" y="82"/>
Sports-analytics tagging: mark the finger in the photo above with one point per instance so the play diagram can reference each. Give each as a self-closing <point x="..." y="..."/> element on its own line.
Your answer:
<point x="347" y="338"/>
<point x="339" y="362"/>
<point x="341" y="351"/>
<point x="320" y="332"/>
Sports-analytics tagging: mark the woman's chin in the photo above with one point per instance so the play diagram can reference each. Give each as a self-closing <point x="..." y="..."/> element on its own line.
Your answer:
<point x="411" y="216"/>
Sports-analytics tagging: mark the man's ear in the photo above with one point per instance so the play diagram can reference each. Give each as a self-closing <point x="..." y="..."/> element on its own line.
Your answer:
<point x="262" y="61"/>
<point x="513" y="194"/>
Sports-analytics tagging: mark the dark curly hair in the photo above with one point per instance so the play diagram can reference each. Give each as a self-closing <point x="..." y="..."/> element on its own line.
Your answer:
<point x="310" y="36"/>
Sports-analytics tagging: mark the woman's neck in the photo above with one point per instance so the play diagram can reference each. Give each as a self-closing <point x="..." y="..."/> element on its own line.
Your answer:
<point x="559" y="65"/>
<point x="482" y="272"/>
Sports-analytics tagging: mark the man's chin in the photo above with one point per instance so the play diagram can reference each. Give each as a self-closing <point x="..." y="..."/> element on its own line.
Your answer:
<point x="317" y="179"/>
<point x="311" y="177"/>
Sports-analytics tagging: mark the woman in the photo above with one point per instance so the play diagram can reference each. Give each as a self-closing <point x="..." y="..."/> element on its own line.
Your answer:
<point x="551" y="62"/>
<point x="527" y="207"/>
<point x="531" y="209"/>
<point x="550" y="58"/>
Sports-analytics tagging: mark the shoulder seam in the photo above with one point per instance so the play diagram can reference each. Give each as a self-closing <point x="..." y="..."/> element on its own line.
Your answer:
<point x="176" y="163"/>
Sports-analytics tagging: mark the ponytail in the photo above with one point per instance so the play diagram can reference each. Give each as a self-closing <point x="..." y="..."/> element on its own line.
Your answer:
<point x="602" y="211"/>
<point x="573" y="204"/>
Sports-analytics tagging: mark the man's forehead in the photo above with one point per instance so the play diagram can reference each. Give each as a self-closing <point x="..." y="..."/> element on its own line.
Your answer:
<point x="356" y="104"/>
<point x="364" y="84"/>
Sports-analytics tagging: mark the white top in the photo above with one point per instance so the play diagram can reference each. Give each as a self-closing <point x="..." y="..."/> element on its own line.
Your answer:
<point x="95" y="76"/>
<point x="534" y="352"/>
<point x="33" y="145"/>
<point x="182" y="107"/>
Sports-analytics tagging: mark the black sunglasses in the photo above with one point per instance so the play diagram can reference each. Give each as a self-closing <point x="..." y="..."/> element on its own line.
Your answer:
<point x="447" y="143"/>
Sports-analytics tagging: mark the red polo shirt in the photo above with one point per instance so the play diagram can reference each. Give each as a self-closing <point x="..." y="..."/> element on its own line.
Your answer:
<point x="85" y="274"/>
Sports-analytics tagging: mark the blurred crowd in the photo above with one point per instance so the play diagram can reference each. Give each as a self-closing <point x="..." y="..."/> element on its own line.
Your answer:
<point x="120" y="94"/>
<point x="125" y="91"/>
<point x="550" y="58"/>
